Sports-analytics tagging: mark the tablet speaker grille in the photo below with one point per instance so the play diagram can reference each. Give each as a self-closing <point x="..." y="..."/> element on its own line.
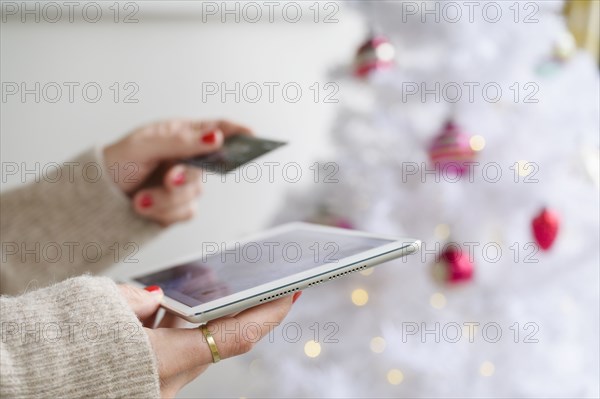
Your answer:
<point x="316" y="282"/>
<point x="356" y="269"/>
<point x="278" y="294"/>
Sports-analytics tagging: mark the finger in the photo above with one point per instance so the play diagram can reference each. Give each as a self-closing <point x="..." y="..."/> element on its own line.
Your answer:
<point x="228" y="128"/>
<point x="176" y="140"/>
<point x="180" y="175"/>
<point x="233" y="336"/>
<point x="252" y="325"/>
<point x="150" y="322"/>
<point x="175" y="214"/>
<point x="156" y="200"/>
<point x="143" y="302"/>
<point x="170" y="320"/>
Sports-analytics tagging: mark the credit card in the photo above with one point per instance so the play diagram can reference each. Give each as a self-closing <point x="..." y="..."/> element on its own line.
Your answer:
<point x="236" y="151"/>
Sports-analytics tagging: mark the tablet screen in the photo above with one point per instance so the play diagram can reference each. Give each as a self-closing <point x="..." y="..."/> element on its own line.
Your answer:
<point x="227" y="270"/>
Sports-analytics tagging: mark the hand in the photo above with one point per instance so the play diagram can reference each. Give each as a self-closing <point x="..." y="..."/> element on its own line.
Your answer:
<point x="182" y="354"/>
<point x="144" y="165"/>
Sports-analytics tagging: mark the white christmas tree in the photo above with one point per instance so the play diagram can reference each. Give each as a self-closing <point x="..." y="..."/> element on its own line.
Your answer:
<point x="516" y="316"/>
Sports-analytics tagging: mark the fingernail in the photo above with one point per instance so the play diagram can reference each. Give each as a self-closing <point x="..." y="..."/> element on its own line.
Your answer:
<point x="210" y="137"/>
<point x="296" y="296"/>
<point x="154" y="289"/>
<point x="146" y="201"/>
<point x="179" y="178"/>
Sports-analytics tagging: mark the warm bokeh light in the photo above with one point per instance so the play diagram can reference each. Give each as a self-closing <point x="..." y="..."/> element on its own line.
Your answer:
<point x="438" y="300"/>
<point x="442" y="231"/>
<point x="385" y="52"/>
<point x="360" y="297"/>
<point x="524" y="168"/>
<point x="367" y="272"/>
<point x="469" y="330"/>
<point x="377" y="344"/>
<point x="487" y="369"/>
<point x="312" y="348"/>
<point x="395" y="377"/>
<point x="477" y="143"/>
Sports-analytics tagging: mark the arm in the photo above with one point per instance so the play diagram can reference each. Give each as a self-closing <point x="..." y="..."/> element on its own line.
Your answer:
<point x="74" y="339"/>
<point x="82" y="337"/>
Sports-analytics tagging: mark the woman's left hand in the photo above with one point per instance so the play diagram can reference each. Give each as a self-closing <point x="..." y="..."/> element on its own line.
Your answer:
<point x="145" y="165"/>
<point x="182" y="354"/>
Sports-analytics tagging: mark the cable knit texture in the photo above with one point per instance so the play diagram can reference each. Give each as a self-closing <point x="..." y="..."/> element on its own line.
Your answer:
<point x="78" y="338"/>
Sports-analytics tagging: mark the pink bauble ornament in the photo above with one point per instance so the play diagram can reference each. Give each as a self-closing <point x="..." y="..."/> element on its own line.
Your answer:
<point x="451" y="150"/>
<point x="377" y="53"/>
<point x="453" y="266"/>
<point x="545" y="228"/>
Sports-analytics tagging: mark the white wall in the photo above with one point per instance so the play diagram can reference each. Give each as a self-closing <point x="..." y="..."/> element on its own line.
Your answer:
<point x="169" y="59"/>
<point x="168" y="54"/>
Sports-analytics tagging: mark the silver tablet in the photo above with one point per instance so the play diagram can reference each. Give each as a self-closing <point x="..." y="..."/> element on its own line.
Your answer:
<point x="226" y="278"/>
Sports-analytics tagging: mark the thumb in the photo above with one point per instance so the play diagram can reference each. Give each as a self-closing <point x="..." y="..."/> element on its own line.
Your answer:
<point x="143" y="302"/>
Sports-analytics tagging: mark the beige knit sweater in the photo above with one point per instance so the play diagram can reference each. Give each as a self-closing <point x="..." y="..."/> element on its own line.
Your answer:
<point x="77" y="337"/>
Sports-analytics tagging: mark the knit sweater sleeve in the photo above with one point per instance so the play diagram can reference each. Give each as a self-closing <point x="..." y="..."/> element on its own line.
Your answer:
<point x="73" y="219"/>
<point x="78" y="338"/>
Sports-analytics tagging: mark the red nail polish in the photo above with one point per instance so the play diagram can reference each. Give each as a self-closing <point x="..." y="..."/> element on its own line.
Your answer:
<point x="146" y="201"/>
<point x="210" y="138"/>
<point x="152" y="288"/>
<point x="179" y="178"/>
<point x="296" y="296"/>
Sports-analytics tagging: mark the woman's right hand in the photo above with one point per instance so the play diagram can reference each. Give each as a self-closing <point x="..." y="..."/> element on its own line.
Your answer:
<point x="183" y="353"/>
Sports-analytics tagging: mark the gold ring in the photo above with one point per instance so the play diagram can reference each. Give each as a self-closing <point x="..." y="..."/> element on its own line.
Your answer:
<point x="211" y="343"/>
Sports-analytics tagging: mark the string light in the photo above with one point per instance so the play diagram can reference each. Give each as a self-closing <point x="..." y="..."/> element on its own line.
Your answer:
<point x="469" y="330"/>
<point x="385" y="52"/>
<point x="477" y="143"/>
<point x="487" y="369"/>
<point x="360" y="297"/>
<point x="442" y="231"/>
<point x="395" y="377"/>
<point x="312" y="348"/>
<point x="377" y="344"/>
<point x="524" y="168"/>
<point x="437" y="300"/>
